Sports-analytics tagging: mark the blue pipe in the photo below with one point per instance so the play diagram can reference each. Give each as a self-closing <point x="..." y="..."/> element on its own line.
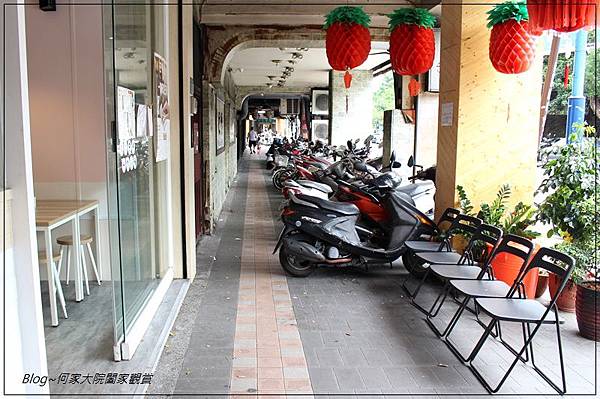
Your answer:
<point x="576" y="108"/>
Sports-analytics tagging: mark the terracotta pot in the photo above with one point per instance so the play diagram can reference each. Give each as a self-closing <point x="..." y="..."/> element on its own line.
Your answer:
<point x="542" y="285"/>
<point x="587" y="310"/>
<point x="566" y="300"/>
<point x="506" y="268"/>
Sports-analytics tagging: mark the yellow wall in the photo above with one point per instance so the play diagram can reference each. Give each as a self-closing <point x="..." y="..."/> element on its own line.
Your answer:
<point x="493" y="136"/>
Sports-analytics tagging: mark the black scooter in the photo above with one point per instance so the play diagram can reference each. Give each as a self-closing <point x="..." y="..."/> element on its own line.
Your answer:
<point x="321" y="232"/>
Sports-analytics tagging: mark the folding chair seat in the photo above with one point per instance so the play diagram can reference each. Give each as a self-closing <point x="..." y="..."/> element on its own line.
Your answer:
<point x="526" y="312"/>
<point x="455" y="272"/>
<point x="425" y="246"/>
<point x="513" y="309"/>
<point x="483" y="233"/>
<point x="520" y="248"/>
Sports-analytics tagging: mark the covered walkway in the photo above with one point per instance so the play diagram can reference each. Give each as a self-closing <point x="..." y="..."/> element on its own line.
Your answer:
<point x="247" y="328"/>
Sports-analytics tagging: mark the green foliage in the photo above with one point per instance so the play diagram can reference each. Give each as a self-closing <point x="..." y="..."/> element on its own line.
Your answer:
<point x="586" y="254"/>
<point x="412" y="16"/>
<point x="347" y="14"/>
<point x="558" y="104"/>
<point x="516" y="222"/>
<point x="570" y="180"/>
<point x="383" y="100"/>
<point x="466" y="205"/>
<point x="503" y="12"/>
<point x="492" y="213"/>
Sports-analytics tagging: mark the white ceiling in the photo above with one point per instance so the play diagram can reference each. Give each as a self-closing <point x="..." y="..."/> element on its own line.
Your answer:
<point x="250" y="67"/>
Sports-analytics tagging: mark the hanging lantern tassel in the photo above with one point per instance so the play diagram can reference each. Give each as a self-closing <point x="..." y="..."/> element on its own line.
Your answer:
<point x="414" y="87"/>
<point x="567" y="73"/>
<point x="347" y="83"/>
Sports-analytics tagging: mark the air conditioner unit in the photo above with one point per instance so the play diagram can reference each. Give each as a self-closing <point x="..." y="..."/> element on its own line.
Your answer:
<point x="289" y="106"/>
<point x="320" y="102"/>
<point x="320" y="130"/>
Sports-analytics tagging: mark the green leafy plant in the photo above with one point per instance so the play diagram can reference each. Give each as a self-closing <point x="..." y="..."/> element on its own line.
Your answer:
<point x="570" y="207"/>
<point x="571" y="184"/>
<point x="517" y="222"/>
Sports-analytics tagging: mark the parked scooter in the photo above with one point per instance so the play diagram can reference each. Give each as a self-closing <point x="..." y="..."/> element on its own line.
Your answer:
<point x="320" y="232"/>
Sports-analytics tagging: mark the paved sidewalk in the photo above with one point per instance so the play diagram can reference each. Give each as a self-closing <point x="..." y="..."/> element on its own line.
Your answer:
<point x="252" y="330"/>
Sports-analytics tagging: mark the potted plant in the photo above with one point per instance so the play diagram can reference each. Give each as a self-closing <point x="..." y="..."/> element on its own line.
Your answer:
<point x="542" y="284"/>
<point x="571" y="190"/>
<point x="506" y="266"/>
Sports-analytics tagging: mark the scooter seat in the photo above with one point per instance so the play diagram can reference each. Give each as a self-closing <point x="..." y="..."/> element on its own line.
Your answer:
<point x="415" y="189"/>
<point x="338" y="207"/>
<point x="423" y="246"/>
<point x="317" y="186"/>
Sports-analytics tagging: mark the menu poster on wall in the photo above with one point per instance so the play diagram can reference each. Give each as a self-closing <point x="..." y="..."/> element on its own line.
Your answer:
<point x="142" y="121"/>
<point x="163" y="123"/>
<point x="220" y="126"/>
<point x="125" y="113"/>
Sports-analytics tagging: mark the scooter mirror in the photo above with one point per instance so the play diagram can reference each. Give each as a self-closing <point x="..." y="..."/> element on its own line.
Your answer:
<point x="368" y="139"/>
<point x="393" y="157"/>
<point x="396" y="164"/>
<point x="350" y="145"/>
<point x="411" y="161"/>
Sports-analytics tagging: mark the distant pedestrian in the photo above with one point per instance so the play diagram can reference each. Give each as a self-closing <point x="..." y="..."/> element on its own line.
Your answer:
<point x="252" y="140"/>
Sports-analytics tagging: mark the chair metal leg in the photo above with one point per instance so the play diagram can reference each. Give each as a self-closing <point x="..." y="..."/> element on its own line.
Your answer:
<point x="450" y="327"/>
<point x="85" y="275"/>
<point x="416" y="292"/>
<point x="434" y="312"/>
<point x="68" y="263"/>
<point x="413" y="294"/>
<point x="518" y="358"/>
<point x="89" y="248"/>
<point x="58" y="289"/>
<point x="562" y="390"/>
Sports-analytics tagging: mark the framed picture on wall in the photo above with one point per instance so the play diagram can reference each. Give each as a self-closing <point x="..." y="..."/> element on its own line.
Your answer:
<point x="220" y="124"/>
<point x="232" y="124"/>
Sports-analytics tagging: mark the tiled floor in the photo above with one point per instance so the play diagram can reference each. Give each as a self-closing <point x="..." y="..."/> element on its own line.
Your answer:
<point x="336" y="332"/>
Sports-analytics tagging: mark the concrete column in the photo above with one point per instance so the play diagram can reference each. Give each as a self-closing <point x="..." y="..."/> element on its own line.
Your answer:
<point x="357" y="122"/>
<point x="488" y="120"/>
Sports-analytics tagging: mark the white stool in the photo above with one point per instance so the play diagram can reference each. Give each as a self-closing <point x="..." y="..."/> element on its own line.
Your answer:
<point x="65" y="243"/>
<point x="56" y="258"/>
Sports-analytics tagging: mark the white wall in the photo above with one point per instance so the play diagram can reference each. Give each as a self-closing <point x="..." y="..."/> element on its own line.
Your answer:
<point x="25" y="347"/>
<point x="357" y="123"/>
<point x="68" y="123"/>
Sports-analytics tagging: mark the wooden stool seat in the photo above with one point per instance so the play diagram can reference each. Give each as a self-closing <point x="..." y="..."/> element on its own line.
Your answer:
<point x="42" y="257"/>
<point x="68" y="240"/>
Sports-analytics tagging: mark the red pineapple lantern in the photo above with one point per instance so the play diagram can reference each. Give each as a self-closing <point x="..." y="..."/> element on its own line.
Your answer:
<point x="412" y="42"/>
<point x="348" y="40"/>
<point x="512" y="45"/>
<point x="563" y="15"/>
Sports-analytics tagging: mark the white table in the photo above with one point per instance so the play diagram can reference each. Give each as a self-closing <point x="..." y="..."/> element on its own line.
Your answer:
<point x="50" y="214"/>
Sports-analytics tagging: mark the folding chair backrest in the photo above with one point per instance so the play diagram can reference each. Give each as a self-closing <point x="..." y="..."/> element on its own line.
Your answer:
<point x="517" y="246"/>
<point x="447" y="217"/>
<point x="485" y="234"/>
<point x="553" y="261"/>
<point x="464" y="224"/>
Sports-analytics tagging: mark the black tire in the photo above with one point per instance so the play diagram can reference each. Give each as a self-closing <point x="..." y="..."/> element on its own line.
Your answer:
<point x="293" y="267"/>
<point x="413" y="264"/>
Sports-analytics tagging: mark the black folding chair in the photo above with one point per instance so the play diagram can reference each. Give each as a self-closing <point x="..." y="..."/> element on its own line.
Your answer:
<point x="519" y="247"/>
<point x="465" y="269"/>
<point x="462" y="224"/>
<point x="527" y="311"/>
<point x="441" y="234"/>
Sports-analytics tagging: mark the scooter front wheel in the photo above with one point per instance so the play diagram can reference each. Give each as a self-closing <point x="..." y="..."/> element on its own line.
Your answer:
<point x="294" y="266"/>
<point x="413" y="264"/>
